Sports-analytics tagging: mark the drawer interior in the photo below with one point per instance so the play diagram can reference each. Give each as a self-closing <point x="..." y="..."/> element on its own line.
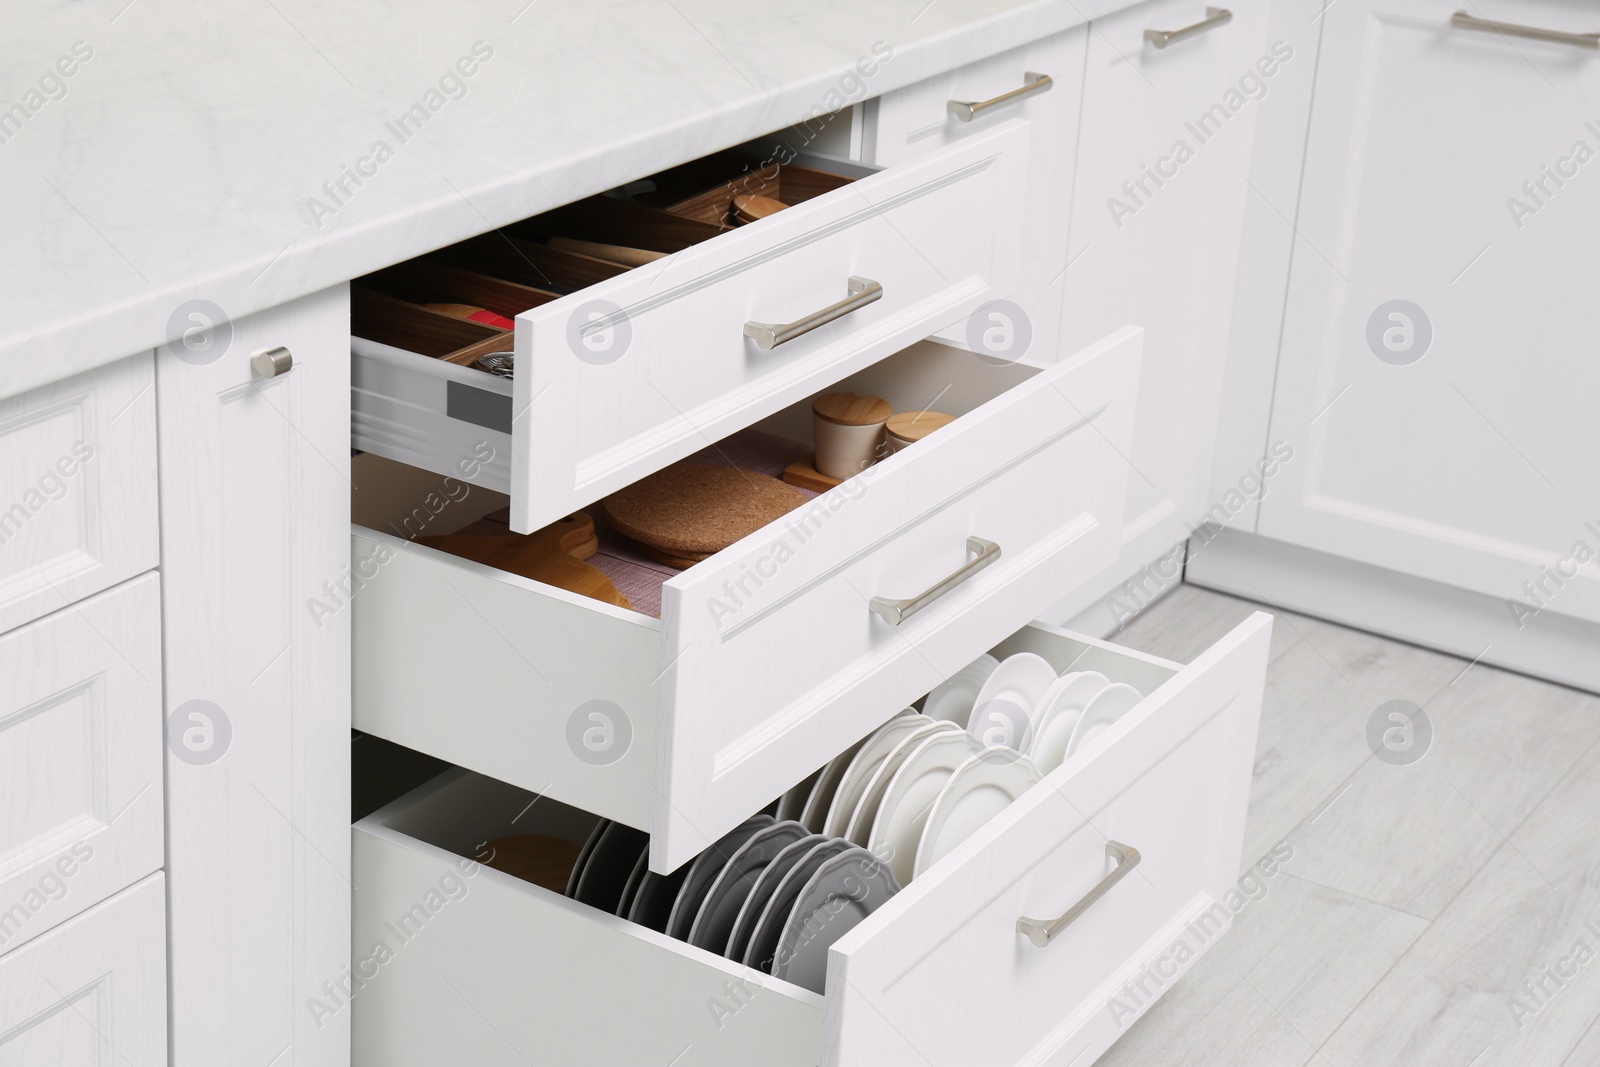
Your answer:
<point x="456" y="304"/>
<point x="926" y="376"/>
<point x="1163" y="790"/>
<point x="475" y="817"/>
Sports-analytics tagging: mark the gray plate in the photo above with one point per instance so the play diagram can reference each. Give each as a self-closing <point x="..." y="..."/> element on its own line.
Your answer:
<point x="842" y="892"/>
<point x="745" y="923"/>
<point x="583" y="857"/>
<point x="630" y="889"/>
<point x="652" y="903"/>
<point x="610" y="864"/>
<point x="769" y="927"/>
<point x="703" y="871"/>
<point x="713" y="924"/>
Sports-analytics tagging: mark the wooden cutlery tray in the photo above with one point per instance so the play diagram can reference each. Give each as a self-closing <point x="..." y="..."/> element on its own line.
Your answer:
<point x="559" y="252"/>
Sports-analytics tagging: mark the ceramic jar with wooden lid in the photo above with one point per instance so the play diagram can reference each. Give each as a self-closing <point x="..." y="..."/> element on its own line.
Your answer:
<point x="906" y="428"/>
<point x="849" y="430"/>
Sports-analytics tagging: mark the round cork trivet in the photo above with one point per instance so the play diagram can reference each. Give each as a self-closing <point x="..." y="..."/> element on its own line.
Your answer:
<point x="915" y="425"/>
<point x="692" y="508"/>
<point x="680" y="563"/>
<point x="852" y="409"/>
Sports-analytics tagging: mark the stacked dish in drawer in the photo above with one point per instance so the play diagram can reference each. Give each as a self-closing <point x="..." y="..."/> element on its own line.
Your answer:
<point x="784" y="945"/>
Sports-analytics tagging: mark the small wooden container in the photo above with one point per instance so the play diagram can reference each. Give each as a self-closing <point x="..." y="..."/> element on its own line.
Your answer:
<point x="906" y="428"/>
<point x="848" y="430"/>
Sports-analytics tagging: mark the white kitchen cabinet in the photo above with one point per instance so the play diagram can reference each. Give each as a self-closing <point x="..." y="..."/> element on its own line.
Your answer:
<point x="254" y="504"/>
<point x="1451" y="168"/>
<point x="1041" y="82"/>
<point x="1157" y="215"/>
<point x="460" y="961"/>
<point x="92" y="990"/>
<point x="80" y="757"/>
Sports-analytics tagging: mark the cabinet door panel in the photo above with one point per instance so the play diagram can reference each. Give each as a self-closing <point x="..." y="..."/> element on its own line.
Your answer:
<point x="92" y="991"/>
<point x="254" y="517"/>
<point x="1158" y="210"/>
<point x="914" y="121"/>
<point x="1448" y="436"/>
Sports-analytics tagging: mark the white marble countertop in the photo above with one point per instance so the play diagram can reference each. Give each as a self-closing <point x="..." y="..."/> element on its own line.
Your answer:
<point x="154" y="152"/>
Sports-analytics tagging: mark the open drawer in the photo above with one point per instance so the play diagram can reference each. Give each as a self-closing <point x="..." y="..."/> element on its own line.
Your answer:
<point x="619" y="371"/>
<point x="465" y="962"/>
<point x="768" y="657"/>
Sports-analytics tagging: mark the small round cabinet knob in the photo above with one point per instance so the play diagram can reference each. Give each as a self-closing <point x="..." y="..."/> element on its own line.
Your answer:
<point x="271" y="362"/>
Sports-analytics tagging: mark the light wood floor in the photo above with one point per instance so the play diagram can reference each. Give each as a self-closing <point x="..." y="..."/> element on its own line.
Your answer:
<point x="1418" y="899"/>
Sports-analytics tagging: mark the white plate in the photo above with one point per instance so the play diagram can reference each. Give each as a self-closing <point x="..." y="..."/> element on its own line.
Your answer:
<point x="1058" y="714"/>
<point x="860" y="828"/>
<point x="814" y="815"/>
<point x="897" y="826"/>
<point x="859" y="773"/>
<point x="1003" y="712"/>
<point x="793" y="802"/>
<point x="953" y="698"/>
<point x="979" y="790"/>
<point x="843" y="891"/>
<point x="1111" y="704"/>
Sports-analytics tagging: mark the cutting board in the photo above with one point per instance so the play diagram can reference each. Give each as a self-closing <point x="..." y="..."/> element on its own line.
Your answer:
<point x="554" y="555"/>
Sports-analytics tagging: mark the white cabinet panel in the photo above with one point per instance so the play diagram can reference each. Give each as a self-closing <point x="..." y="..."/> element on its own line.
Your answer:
<point x="77" y="488"/>
<point x="93" y="991"/>
<point x="254" y="500"/>
<point x="1449" y="436"/>
<point x="80" y="757"/>
<point x="914" y="121"/>
<point x="1157" y="217"/>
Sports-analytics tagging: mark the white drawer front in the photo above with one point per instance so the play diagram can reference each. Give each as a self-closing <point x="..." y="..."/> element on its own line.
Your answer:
<point x="80" y="757"/>
<point x="559" y="982"/>
<point x="77" y="488"/>
<point x="912" y="122"/>
<point x="93" y="991"/>
<point x="935" y="233"/>
<point x="772" y="658"/>
<point x="1172" y="781"/>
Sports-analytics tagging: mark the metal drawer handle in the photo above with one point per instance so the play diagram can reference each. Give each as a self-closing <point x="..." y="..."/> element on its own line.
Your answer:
<point x="1042" y="931"/>
<point x="1215" y="16"/>
<point x="895" y="612"/>
<point x="1463" y="21"/>
<point x="769" y="335"/>
<point x="1032" y="84"/>
<point x="272" y="362"/>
